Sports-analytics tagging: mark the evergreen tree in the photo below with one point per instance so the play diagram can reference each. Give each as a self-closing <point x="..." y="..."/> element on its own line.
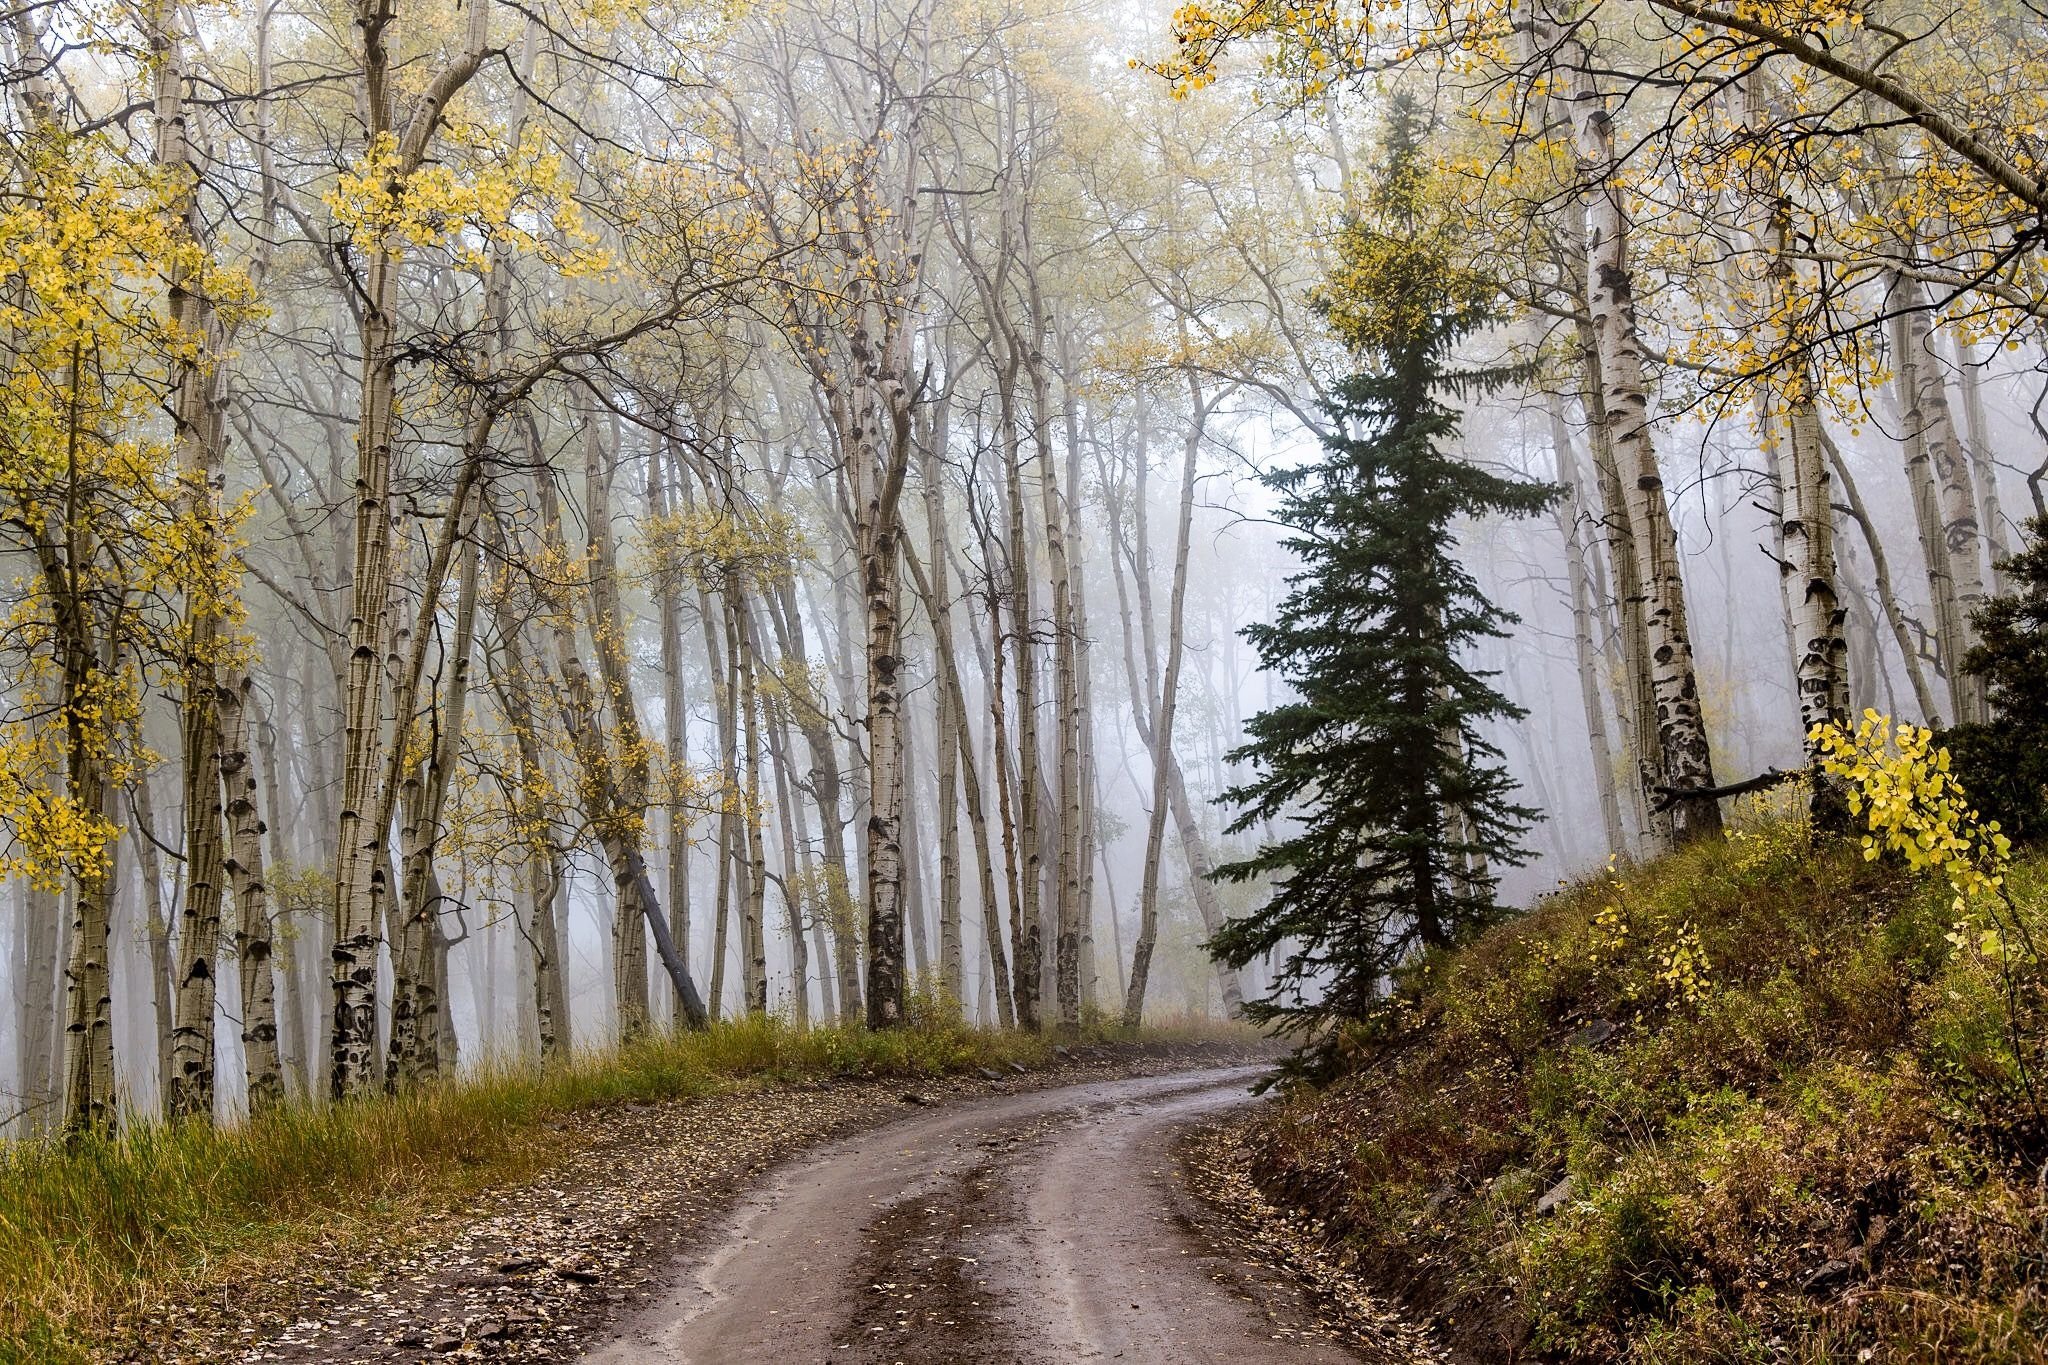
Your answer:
<point x="2003" y="762"/>
<point x="1400" y="807"/>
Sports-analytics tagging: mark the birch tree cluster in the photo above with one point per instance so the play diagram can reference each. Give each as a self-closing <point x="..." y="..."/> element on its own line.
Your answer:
<point x="531" y="524"/>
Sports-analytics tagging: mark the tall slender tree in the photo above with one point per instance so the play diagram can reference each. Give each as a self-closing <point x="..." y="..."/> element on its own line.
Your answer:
<point x="1403" y="807"/>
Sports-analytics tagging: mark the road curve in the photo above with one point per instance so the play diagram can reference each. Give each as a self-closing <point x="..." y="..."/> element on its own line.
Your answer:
<point x="1029" y="1228"/>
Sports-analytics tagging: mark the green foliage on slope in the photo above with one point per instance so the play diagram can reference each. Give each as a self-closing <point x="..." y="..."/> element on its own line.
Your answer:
<point x="1757" y="1101"/>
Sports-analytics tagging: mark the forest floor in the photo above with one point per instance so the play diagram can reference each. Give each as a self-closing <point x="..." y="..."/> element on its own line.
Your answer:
<point x="611" y="1244"/>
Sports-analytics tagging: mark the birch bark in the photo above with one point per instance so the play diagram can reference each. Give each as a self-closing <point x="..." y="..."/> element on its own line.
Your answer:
<point x="361" y="867"/>
<point x="244" y="868"/>
<point x="1570" y="530"/>
<point x="1681" y="729"/>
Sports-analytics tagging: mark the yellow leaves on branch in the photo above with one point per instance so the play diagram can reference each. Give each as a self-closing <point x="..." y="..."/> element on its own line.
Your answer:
<point x="1311" y="40"/>
<point x="1138" y="358"/>
<point x="518" y="199"/>
<point x="87" y="248"/>
<point x="49" y="831"/>
<point x="52" y="834"/>
<point x="90" y="246"/>
<point x="1700" y="177"/>
<point x="719" y="548"/>
<point x="1898" y="781"/>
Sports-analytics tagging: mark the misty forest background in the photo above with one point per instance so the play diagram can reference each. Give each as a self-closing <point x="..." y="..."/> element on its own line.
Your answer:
<point x="530" y="524"/>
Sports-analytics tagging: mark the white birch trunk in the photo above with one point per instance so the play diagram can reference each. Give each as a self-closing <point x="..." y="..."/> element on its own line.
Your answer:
<point x="244" y="866"/>
<point x="1681" y="723"/>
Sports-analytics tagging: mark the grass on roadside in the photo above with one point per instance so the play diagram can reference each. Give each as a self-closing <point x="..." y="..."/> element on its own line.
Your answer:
<point x="88" y="1232"/>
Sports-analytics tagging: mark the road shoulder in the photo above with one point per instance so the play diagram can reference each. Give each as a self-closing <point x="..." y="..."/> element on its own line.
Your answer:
<point x="1224" y="1207"/>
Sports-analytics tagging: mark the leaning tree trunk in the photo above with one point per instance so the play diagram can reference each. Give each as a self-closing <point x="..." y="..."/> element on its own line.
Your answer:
<point x="1145" y="693"/>
<point x="675" y="719"/>
<point x="1570" y="531"/>
<point x="1167" y="787"/>
<point x="1920" y="488"/>
<point x="1955" y="494"/>
<point x="419" y="1005"/>
<point x="1881" y="577"/>
<point x="796" y="873"/>
<point x="827" y="792"/>
<point x="1636" y="702"/>
<point x="540" y="860"/>
<point x="361" y="865"/>
<point x="616" y="821"/>
<point x="607" y="627"/>
<point x="1804" y="514"/>
<point x="1574" y="103"/>
<point x="724" y="662"/>
<point x="1983" y="468"/>
<point x="970" y="786"/>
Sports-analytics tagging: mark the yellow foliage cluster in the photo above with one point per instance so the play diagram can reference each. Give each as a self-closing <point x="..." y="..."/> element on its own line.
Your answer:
<point x="1897" y="779"/>
<point x="801" y="686"/>
<point x="517" y="198"/>
<point x="52" y="833"/>
<point x="715" y="547"/>
<point x="90" y="483"/>
<point x="1315" y="39"/>
<point x="1708" y="179"/>
<point x="1680" y="969"/>
<point x="1123" y="364"/>
<point x="1610" y="933"/>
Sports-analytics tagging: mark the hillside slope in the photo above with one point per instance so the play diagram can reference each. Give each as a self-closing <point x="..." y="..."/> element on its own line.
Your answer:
<point x="1758" y="1101"/>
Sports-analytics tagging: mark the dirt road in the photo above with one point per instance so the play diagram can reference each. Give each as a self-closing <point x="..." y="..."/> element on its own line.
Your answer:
<point x="1035" y="1227"/>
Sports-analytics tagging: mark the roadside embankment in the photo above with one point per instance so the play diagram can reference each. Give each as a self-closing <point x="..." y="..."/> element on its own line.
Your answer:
<point x="1761" y="1100"/>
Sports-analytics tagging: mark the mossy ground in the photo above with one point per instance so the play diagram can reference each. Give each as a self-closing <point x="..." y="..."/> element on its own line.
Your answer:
<point x="1795" y="1110"/>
